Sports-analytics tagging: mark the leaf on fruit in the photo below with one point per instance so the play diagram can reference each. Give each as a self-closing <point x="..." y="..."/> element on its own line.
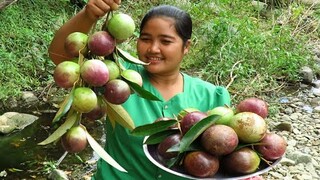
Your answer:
<point x="118" y="114"/>
<point x="140" y="91"/>
<point x="102" y="153"/>
<point x="150" y="129"/>
<point x="196" y="130"/>
<point x="129" y="57"/>
<point x="175" y="161"/>
<point x="160" y="136"/>
<point x="65" y="107"/>
<point x="70" y="121"/>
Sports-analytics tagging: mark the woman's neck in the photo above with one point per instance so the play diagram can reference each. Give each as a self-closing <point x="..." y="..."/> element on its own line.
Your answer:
<point x="168" y="85"/>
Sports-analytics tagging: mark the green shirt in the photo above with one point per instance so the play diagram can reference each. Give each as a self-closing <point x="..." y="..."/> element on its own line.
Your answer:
<point x="127" y="150"/>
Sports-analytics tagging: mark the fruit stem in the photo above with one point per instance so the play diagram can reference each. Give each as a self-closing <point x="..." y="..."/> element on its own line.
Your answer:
<point x="104" y="26"/>
<point x="78" y="121"/>
<point x="268" y="162"/>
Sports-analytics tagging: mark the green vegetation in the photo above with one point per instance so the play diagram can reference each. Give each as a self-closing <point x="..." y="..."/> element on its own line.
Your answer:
<point x="234" y="44"/>
<point x="27" y="28"/>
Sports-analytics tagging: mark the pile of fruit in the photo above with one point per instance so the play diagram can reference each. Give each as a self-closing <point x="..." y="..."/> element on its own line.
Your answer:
<point x="98" y="83"/>
<point x="224" y="140"/>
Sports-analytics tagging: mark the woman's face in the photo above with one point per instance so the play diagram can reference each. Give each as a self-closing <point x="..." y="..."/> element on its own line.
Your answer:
<point x="160" y="45"/>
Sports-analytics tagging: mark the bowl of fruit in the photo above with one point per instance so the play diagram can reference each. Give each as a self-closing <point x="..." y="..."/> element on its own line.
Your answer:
<point x="223" y="143"/>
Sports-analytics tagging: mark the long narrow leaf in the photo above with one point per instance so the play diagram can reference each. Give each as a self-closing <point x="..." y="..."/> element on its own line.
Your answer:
<point x="140" y="91"/>
<point x="129" y="57"/>
<point x="160" y="136"/>
<point x="102" y="153"/>
<point x="70" y="120"/>
<point x="118" y="114"/>
<point x="65" y="107"/>
<point x="149" y="129"/>
<point x="196" y="130"/>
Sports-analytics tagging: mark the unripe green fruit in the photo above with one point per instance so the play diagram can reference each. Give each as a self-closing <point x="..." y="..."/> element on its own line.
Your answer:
<point x="75" y="42"/>
<point x="225" y="112"/>
<point x="132" y="76"/>
<point x="114" y="70"/>
<point x="121" y="26"/>
<point x="85" y="99"/>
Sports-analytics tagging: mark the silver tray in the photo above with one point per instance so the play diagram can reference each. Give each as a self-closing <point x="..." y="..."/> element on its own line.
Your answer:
<point x="152" y="154"/>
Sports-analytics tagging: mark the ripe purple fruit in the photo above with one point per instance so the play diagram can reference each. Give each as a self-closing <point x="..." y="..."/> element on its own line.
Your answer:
<point x="219" y="140"/>
<point x="94" y="72"/>
<point x="117" y="91"/>
<point x="166" y="144"/>
<point x="243" y="161"/>
<point x="272" y="146"/>
<point x="254" y="105"/>
<point x="66" y="74"/>
<point x="201" y="164"/>
<point x="101" y="43"/>
<point x="190" y="119"/>
<point x="97" y="112"/>
<point x="74" y="140"/>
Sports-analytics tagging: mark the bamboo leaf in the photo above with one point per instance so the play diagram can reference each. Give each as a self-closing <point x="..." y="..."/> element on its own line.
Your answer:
<point x="160" y="136"/>
<point x="149" y="129"/>
<point x="140" y="91"/>
<point x="65" y="107"/>
<point x="102" y="153"/>
<point x="129" y="57"/>
<point x="195" y="131"/>
<point x="118" y="114"/>
<point x="70" y="120"/>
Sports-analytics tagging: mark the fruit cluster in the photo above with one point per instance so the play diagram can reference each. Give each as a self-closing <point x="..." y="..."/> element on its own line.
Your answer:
<point x="232" y="141"/>
<point x="94" y="79"/>
<point x="98" y="82"/>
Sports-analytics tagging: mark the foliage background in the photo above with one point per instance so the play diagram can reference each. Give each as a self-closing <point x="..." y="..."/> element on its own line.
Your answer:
<point x="254" y="51"/>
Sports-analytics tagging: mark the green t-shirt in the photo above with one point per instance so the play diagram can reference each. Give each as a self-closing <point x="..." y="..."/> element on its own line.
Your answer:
<point x="127" y="150"/>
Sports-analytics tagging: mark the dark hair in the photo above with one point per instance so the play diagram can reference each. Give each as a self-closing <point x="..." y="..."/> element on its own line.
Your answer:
<point x="183" y="22"/>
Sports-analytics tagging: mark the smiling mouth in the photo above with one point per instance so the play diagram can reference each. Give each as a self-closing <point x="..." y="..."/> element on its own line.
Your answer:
<point x="153" y="59"/>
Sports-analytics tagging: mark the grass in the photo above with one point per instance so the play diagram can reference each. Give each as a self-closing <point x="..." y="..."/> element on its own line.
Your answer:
<point x="252" y="52"/>
<point x="27" y="28"/>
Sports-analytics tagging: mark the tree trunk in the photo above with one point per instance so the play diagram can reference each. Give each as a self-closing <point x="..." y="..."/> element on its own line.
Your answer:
<point x="5" y="3"/>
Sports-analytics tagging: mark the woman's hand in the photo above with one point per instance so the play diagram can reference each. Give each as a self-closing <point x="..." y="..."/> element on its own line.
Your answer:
<point x="96" y="9"/>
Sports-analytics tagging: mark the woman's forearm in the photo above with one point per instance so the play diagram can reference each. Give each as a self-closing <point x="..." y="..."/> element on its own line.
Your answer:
<point x="81" y="22"/>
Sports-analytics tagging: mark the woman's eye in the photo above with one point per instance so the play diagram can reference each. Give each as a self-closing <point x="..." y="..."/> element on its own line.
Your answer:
<point x="166" y="42"/>
<point x="144" y="39"/>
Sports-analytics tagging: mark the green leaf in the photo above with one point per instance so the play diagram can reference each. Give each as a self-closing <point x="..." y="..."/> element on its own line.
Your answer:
<point x="102" y="153"/>
<point x="195" y="131"/>
<point x="65" y="107"/>
<point x="118" y="114"/>
<point x="175" y="161"/>
<point x="140" y="91"/>
<point x="160" y="136"/>
<point x="149" y="129"/>
<point x="129" y="57"/>
<point x="70" y="121"/>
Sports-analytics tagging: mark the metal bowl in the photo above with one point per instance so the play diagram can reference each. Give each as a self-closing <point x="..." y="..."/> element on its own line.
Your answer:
<point x="152" y="154"/>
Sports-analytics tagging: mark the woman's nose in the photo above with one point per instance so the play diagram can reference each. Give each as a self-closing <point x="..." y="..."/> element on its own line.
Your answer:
<point x="154" y="47"/>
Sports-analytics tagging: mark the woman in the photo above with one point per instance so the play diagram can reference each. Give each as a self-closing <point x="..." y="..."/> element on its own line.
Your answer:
<point x="165" y="34"/>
